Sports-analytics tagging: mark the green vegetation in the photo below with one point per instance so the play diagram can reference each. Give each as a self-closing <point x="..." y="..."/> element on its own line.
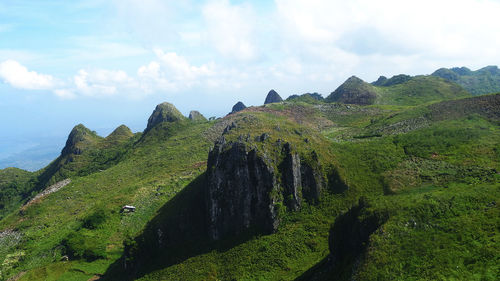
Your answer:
<point x="419" y="90"/>
<point x="399" y="90"/>
<point x="13" y="189"/>
<point x="422" y="157"/>
<point x="483" y="81"/>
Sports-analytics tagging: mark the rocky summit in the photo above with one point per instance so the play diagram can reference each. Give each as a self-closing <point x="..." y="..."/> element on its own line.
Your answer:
<point x="272" y="97"/>
<point x="196" y="116"/>
<point x="354" y="91"/>
<point x="239" y="106"/>
<point x="164" y="112"/>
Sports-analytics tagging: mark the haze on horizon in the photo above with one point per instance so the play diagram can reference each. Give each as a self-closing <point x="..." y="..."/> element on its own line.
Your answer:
<point x="106" y="63"/>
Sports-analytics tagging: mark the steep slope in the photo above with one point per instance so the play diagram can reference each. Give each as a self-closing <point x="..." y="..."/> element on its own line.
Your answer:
<point x="482" y="81"/>
<point x="13" y="189"/>
<point x="83" y="220"/>
<point x="84" y="153"/>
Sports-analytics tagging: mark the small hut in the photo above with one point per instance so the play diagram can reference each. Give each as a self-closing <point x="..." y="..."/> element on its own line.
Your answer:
<point x="128" y="208"/>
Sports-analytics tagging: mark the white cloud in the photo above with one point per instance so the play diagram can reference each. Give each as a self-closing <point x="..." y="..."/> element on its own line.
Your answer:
<point x="173" y="72"/>
<point x="102" y="82"/>
<point x="180" y="69"/>
<point x="295" y="44"/>
<point x="230" y="29"/>
<point x="18" y="76"/>
<point x="349" y="37"/>
<point x="152" y="78"/>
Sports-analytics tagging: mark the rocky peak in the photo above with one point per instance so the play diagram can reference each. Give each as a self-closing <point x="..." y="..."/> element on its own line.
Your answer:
<point x="272" y="96"/>
<point x="164" y="112"/>
<point x="122" y="132"/>
<point x="394" y="80"/>
<point x="78" y="135"/>
<point x="380" y="81"/>
<point x="446" y="73"/>
<point x="354" y="91"/>
<point x="196" y="116"/>
<point x="239" y="106"/>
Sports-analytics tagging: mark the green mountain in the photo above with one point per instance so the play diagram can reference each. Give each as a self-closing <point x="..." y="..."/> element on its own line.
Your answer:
<point x="398" y="90"/>
<point x="482" y="81"/>
<point x="405" y="188"/>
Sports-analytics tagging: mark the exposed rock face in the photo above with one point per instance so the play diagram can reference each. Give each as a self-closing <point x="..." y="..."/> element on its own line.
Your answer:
<point x="196" y="116"/>
<point x="272" y="96"/>
<point x="300" y="179"/>
<point x="78" y="135"/>
<point x="238" y="192"/>
<point x="164" y="112"/>
<point x="243" y="190"/>
<point x="354" y="91"/>
<point x="292" y="180"/>
<point x="239" y="106"/>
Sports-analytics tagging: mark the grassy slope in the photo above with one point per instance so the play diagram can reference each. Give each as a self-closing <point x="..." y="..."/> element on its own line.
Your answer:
<point x="163" y="162"/>
<point x="12" y="183"/>
<point x="410" y="91"/>
<point x="419" y="90"/>
<point x="411" y="167"/>
<point x="298" y="245"/>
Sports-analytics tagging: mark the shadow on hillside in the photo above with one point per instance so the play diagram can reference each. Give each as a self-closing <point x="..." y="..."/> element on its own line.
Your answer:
<point x="320" y="271"/>
<point x="176" y="233"/>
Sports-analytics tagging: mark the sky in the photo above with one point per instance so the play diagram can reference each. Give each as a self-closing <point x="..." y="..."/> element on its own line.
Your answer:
<point x="103" y="63"/>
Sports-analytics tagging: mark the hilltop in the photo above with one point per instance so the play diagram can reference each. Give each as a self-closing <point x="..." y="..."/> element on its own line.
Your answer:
<point x="482" y="81"/>
<point x="377" y="181"/>
<point x="398" y="90"/>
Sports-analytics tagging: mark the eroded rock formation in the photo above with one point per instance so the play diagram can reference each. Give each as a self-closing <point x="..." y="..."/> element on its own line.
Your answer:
<point x="244" y="189"/>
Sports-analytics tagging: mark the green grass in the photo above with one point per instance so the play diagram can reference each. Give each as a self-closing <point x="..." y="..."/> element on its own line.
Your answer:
<point x="438" y="182"/>
<point x="441" y="234"/>
<point x="146" y="177"/>
<point x="420" y="90"/>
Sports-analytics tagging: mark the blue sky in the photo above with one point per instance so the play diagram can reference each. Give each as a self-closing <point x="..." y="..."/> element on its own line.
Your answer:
<point x="106" y="63"/>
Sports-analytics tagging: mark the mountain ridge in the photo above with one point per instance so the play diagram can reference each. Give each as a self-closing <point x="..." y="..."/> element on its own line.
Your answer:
<point x="420" y="167"/>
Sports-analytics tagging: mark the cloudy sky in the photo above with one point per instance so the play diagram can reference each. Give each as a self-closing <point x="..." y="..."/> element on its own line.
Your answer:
<point x="107" y="62"/>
